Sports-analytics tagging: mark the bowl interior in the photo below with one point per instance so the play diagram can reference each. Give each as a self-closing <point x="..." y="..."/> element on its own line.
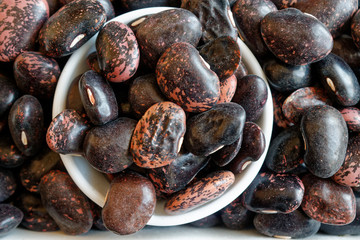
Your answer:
<point x="95" y="185"/>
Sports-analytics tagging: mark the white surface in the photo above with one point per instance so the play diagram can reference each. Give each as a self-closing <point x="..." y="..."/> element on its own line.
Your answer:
<point x="95" y="185"/>
<point x="159" y="233"/>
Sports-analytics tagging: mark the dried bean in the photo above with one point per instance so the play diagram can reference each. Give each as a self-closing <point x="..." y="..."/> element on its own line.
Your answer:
<point x="20" y="24"/>
<point x="200" y="192"/>
<point x="178" y="174"/>
<point x="98" y="98"/>
<point x="327" y="201"/>
<point x="159" y="31"/>
<point x="118" y="54"/>
<point x="252" y="147"/>
<point x="184" y="78"/>
<point x="209" y="131"/>
<point x="26" y="123"/>
<point x="248" y="15"/>
<point x="215" y="16"/>
<point x="10" y="218"/>
<point x="65" y="203"/>
<point x="60" y="37"/>
<point x="325" y="148"/>
<point x="292" y="225"/>
<point x="143" y="93"/>
<point x="66" y="132"/>
<point x="106" y="147"/>
<point x="338" y="79"/>
<point x="36" y="74"/>
<point x="36" y="218"/>
<point x="274" y="193"/>
<point x="130" y="203"/>
<point x="8" y="94"/>
<point x="223" y="56"/>
<point x="251" y="93"/>
<point x="7" y="184"/>
<point x="158" y="135"/>
<point x="280" y="31"/>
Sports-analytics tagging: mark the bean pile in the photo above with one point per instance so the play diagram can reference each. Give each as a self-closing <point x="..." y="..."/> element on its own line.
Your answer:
<point x="168" y="111"/>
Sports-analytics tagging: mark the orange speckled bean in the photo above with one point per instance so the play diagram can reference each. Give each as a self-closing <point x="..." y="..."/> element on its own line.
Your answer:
<point x="158" y="135"/>
<point x="200" y="192"/>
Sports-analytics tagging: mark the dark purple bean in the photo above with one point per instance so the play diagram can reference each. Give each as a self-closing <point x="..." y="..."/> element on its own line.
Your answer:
<point x="286" y="151"/>
<point x="215" y="16"/>
<point x="236" y="216"/>
<point x="327" y="201"/>
<point x="7" y="184"/>
<point x="10" y="218"/>
<point x="178" y="174"/>
<point x="325" y="148"/>
<point x="338" y="79"/>
<point x="66" y="132"/>
<point x="122" y="214"/>
<point x="292" y="225"/>
<point x="184" y="78"/>
<point x="287" y="78"/>
<point x="32" y="172"/>
<point x="274" y="193"/>
<point x="26" y="124"/>
<point x="251" y="93"/>
<point x="36" y="218"/>
<point x="209" y="131"/>
<point x="20" y="23"/>
<point x="36" y="74"/>
<point x="159" y="31"/>
<point x="10" y="155"/>
<point x="226" y="154"/>
<point x="252" y="147"/>
<point x="248" y="15"/>
<point x="60" y="37"/>
<point x="8" y="94"/>
<point x="118" y="54"/>
<point x="281" y="30"/>
<point x="223" y="56"/>
<point x="336" y="15"/>
<point x="106" y="147"/>
<point x="143" y="93"/>
<point x="98" y="98"/>
<point x="65" y="203"/>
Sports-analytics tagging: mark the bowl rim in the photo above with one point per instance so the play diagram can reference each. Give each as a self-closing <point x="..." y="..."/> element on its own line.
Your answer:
<point x="95" y="187"/>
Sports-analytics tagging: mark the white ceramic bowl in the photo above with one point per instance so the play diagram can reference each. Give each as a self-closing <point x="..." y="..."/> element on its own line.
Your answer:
<point x="95" y="185"/>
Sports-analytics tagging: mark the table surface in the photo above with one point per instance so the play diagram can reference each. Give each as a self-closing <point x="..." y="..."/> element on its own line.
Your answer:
<point x="159" y="233"/>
